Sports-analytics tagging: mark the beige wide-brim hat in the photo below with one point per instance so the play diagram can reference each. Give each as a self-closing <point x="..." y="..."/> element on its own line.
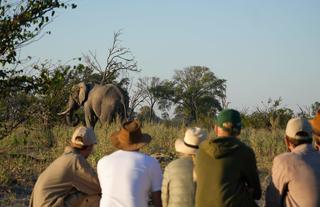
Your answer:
<point x="315" y="123"/>
<point x="190" y="143"/>
<point x="130" y="137"/>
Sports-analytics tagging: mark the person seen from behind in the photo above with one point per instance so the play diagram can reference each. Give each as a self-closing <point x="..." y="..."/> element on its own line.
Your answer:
<point x="296" y="173"/>
<point x="128" y="176"/>
<point x="178" y="185"/>
<point x="69" y="180"/>
<point x="225" y="167"/>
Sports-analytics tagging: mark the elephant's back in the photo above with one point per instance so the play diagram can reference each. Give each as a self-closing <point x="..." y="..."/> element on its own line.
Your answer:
<point x="104" y="93"/>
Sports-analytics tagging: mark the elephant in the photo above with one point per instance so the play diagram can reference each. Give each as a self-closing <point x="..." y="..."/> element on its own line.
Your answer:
<point x="100" y="102"/>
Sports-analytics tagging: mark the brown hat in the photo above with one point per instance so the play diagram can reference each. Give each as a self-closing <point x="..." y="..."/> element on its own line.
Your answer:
<point x="315" y="123"/>
<point x="129" y="137"/>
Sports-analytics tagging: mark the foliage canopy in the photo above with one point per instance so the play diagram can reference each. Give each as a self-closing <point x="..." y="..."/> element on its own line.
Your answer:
<point x="196" y="91"/>
<point x="21" y="22"/>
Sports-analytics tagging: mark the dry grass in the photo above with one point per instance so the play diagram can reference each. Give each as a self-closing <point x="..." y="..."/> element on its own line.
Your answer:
<point x="27" y="152"/>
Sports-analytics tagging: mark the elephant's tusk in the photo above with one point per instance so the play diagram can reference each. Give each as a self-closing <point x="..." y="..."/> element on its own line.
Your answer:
<point x="63" y="113"/>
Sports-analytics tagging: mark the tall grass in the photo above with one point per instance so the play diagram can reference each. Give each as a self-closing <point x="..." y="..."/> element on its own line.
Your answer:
<point x="27" y="152"/>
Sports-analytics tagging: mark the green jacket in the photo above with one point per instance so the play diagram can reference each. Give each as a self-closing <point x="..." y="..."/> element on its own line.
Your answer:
<point x="226" y="174"/>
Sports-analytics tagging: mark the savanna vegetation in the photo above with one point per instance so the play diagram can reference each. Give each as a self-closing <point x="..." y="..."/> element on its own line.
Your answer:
<point x="32" y="93"/>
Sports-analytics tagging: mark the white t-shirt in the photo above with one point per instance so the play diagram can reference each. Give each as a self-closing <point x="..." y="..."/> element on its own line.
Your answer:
<point x="126" y="179"/>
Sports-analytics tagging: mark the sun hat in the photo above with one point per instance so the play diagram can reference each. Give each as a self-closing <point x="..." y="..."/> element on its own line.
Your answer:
<point x="190" y="143"/>
<point x="130" y="137"/>
<point x="296" y="125"/>
<point x="229" y="120"/>
<point x="315" y="123"/>
<point x="83" y="136"/>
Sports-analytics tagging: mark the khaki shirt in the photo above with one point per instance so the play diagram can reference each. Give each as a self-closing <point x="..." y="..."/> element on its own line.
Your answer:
<point x="66" y="182"/>
<point x="295" y="179"/>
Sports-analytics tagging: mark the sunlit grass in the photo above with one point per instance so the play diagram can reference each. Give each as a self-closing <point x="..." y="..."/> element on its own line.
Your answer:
<point x="28" y="151"/>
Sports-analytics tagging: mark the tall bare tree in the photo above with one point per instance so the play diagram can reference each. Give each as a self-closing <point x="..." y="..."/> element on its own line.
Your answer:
<point x="137" y="97"/>
<point x="119" y="59"/>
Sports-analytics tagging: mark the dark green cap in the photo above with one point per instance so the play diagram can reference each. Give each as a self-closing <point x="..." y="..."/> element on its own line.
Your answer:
<point x="229" y="120"/>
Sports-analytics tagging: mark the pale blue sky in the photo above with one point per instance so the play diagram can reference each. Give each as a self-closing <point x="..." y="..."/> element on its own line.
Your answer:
<point x="262" y="48"/>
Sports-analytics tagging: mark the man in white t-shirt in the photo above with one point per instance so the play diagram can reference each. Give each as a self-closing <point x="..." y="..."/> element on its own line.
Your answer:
<point x="128" y="176"/>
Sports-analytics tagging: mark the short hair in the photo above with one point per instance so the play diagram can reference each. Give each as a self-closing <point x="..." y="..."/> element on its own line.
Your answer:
<point x="297" y="142"/>
<point x="84" y="147"/>
<point x="231" y="132"/>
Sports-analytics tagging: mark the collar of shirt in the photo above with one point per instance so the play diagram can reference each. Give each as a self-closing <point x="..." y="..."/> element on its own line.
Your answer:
<point x="303" y="148"/>
<point x="70" y="149"/>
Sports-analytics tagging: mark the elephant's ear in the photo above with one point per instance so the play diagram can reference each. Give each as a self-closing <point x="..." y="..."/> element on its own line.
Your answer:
<point x="83" y="91"/>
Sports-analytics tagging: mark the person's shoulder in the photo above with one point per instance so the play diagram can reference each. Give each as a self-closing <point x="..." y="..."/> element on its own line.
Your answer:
<point x="285" y="158"/>
<point x="245" y="150"/>
<point x="149" y="158"/>
<point x="244" y="146"/>
<point x="70" y="155"/>
<point x="180" y="163"/>
<point x="103" y="159"/>
<point x="205" y="144"/>
<point x="175" y="162"/>
<point x="108" y="157"/>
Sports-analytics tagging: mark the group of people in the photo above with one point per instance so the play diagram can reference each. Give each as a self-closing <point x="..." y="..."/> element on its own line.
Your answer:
<point x="210" y="172"/>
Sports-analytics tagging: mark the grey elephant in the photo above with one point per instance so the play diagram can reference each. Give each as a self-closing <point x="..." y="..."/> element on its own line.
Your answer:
<point x="100" y="102"/>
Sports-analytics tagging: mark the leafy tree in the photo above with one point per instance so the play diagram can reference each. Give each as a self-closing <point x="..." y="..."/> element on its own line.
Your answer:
<point x="315" y="107"/>
<point x="14" y="110"/>
<point x="148" y="87"/>
<point x="146" y="114"/>
<point x="21" y="22"/>
<point x="53" y="88"/>
<point x="49" y="90"/>
<point x="309" y="111"/>
<point x="271" y="115"/>
<point x="196" y="92"/>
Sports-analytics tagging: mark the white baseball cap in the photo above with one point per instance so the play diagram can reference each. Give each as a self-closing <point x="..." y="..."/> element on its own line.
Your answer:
<point x="296" y="125"/>
<point x="83" y="136"/>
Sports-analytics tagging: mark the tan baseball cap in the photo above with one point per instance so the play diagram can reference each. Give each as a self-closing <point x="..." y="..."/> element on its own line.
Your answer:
<point x="296" y="125"/>
<point x="83" y="136"/>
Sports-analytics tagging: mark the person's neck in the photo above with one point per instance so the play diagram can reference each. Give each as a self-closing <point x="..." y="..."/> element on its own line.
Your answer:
<point x="224" y="135"/>
<point x="182" y="155"/>
<point x="138" y="150"/>
<point x="221" y="133"/>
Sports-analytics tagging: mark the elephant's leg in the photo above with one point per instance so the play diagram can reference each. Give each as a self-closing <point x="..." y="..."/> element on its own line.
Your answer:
<point x="107" y="113"/>
<point x="90" y="117"/>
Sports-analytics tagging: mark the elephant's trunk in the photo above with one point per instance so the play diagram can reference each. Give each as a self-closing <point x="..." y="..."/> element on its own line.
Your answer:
<point x="71" y="121"/>
<point x="72" y="106"/>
